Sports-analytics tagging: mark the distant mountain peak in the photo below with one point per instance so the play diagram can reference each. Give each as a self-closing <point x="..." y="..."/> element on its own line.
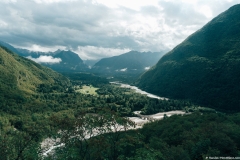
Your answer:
<point x="69" y="56"/>
<point x="130" y="62"/>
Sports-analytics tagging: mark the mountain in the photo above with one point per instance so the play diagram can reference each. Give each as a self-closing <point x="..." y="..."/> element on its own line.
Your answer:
<point x="70" y="62"/>
<point x="131" y="62"/>
<point x="204" y="68"/>
<point x="20" y="77"/>
<point x="67" y="61"/>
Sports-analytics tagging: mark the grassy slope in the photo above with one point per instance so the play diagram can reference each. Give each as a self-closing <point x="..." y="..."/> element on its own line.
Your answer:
<point x="88" y="90"/>
<point x="23" y="75"/>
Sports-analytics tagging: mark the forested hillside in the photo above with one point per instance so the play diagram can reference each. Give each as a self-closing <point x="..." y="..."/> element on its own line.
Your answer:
<point x="191" y="137"/>
<point x="204" y="68"/>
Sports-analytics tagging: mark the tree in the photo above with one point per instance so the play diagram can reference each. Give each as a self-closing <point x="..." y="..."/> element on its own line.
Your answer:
<point x="93" y="136"/>
<point x="18" y="146"/>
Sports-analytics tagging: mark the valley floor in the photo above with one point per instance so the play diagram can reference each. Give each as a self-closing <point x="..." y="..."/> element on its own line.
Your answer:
<point x="50" y="144"/>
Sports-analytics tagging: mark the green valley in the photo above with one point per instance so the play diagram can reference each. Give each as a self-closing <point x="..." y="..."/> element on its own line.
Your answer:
<point x="79" y="113"/>
<point x="38" y="105"/>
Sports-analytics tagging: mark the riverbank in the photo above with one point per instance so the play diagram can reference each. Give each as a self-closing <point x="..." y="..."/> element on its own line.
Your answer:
<point x="137" y="90"/>
<point x="140" y="120"/>
<point x="49" y="144"/>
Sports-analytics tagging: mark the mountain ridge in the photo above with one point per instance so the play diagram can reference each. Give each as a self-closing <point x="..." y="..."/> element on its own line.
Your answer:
<point x="203" y="68"/>
<point x="132" y="62"/>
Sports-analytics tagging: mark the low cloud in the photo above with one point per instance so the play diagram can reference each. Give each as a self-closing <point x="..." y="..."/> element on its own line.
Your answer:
<point x="37" y="48"/>
<point x="123" y="70"/>
<point x="147" y="68"/>
<point x="45" y="59"/>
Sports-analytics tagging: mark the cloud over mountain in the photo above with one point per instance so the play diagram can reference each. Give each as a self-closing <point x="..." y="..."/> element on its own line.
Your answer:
<point x="45" y="59"/>
<point x="90" y="25"/>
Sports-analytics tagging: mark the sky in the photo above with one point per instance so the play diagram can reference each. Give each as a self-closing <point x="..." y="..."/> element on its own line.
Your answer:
<point x="103" y="28"/>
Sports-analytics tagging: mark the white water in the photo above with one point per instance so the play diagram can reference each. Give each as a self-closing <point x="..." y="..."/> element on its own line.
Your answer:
<point x="52" y="148"/>
<point x="139" y="90"/>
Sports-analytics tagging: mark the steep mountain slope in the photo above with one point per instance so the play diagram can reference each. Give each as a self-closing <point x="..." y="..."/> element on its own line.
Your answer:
<point x="204" y="68"/>
<point x="20" y="77"/>
<point x="131" y="62"/>
<point x="10" y="47"/>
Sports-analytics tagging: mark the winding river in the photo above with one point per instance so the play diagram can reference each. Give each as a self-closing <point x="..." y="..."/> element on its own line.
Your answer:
<point x="138" y="90"/>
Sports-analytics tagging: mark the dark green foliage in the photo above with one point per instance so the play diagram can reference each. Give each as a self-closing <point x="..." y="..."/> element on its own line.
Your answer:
<point x="86" y="139"/>
<point x="194" y="136"/>
<point x="205" y="68"/>
<point x="200" y="135"/>
<point x="18" y="145"/>
<point x="125" y="101"/>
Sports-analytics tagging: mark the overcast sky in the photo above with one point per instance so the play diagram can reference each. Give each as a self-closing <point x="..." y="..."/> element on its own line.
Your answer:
<point x="103" y="28"/>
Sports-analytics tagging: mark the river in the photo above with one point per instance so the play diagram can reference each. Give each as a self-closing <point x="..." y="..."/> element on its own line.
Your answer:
<point x="49" y="144"/>
<point x="138" y="90"/>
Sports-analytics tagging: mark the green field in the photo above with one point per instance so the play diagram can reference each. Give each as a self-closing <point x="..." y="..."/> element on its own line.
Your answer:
<point x="88" y="90"/>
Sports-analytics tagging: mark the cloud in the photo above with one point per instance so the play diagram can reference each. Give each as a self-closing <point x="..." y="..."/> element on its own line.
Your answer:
<point x="133" y="4"/>
<point x="9" y="1"/>
<point x="123" y="70"/>
<point x="53" y="1"/>
<point x="38" y="48"/>
<point x="147" y="68"/>
<point x="45" y="59"/>
<point x="101" y="28"/>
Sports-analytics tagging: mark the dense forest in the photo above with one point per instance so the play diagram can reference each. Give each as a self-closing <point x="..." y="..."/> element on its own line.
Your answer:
<point x="195" y="136"/>
<point x="204" y="68"/>
<point x="90" y="122"/>
<point x="25" y="125"/>
<point x="32" y="120"/>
